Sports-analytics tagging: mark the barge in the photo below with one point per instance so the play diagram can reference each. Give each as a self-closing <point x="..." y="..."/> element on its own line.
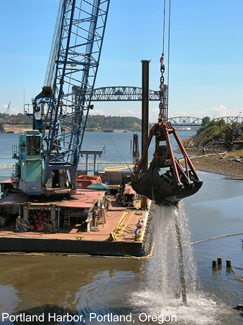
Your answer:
<point x="94" y="222"/>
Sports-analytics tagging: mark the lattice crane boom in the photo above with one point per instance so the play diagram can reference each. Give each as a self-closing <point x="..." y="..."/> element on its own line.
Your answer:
<point x="60" y="111"/>
<point x="76" y="69"/>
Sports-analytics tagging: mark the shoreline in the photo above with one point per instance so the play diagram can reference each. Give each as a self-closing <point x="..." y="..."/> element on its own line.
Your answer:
<point x="214" y="162"/>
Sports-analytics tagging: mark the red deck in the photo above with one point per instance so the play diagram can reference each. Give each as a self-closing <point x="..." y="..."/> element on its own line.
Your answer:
<point x="83" y="198"/>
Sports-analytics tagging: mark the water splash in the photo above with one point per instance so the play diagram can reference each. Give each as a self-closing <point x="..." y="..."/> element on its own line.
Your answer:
<point x="161" y="293"/>
<point x="164" y="266"/>
<point x="190" y="267"/>
<point x="180" y="258"/>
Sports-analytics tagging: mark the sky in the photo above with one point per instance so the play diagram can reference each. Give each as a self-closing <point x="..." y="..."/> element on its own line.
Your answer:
<point x="205" y="64"/>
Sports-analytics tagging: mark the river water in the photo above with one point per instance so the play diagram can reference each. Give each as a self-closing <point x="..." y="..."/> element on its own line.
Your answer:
<point x="101" y="290"/>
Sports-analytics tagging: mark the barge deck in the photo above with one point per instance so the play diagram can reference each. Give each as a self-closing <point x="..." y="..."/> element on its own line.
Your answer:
<point x="90" y="227"/>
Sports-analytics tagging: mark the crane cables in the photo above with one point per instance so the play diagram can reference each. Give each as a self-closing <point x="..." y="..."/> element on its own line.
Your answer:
<point x="163" y="111"/>
<point x="168" y="74"/>
<point x="163" y="43"/>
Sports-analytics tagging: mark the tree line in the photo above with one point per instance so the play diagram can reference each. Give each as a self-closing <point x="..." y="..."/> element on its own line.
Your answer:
<point x="94" y="122"/>
<point x="101" y="122"/>
<point x="218" y="128"/>
<point x="15" y="119"/>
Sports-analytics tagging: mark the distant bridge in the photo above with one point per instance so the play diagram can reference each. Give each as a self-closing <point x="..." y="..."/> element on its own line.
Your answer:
<point x="122" y="93"/>
<point x="197" y="121"/>
<point x="125" y="93"/>
<point x="185" y="121"/>
<point x="230" y="119"/>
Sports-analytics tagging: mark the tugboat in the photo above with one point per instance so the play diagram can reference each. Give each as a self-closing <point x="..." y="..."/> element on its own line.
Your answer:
<point x="166" y="180"/>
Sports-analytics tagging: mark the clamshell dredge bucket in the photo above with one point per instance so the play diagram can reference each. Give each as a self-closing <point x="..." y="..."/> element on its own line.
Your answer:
<point x="166" y="181"/>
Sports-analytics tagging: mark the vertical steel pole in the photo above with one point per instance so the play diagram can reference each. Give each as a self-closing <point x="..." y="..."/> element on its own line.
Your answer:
<point x="87" y="163"/>
<point x="145" y="110"/>
<point x="145" y="117"/>
<point x="95" y="163"/>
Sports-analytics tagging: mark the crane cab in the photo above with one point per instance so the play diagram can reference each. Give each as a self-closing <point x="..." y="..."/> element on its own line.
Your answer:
<point x="28" y="169"/>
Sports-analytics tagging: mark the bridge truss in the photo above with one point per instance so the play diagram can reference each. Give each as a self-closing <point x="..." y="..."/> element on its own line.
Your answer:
<point x="230" y="119"/>
<point x="196" y="121"/>
<point x="185" y="121"/>
<point x="122" y="93"/>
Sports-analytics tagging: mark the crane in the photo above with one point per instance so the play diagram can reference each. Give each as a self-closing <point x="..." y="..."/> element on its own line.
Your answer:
<point x="47" y="157"/>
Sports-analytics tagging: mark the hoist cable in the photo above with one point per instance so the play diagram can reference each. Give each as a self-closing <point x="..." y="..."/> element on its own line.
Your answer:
<point x="162" y="70"/>
<point x="168" y="74"/>
<point x="119" y="152"/>
<point x="163" y="47"/>
<point x="116" y="146"/>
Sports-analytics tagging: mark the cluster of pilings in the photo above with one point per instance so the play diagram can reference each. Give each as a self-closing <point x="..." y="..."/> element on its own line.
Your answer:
<point x="217" y="264"/>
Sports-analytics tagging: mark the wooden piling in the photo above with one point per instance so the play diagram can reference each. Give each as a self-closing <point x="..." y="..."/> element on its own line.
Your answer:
<point x="228" y="264"/>
<point x="214" y="264"/>
<point x="135" y="151"/>
<point x="220" y="261"/>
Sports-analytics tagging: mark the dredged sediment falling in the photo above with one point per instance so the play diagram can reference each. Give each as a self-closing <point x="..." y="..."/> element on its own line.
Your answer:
<point x="172" y="266"/>
<point x="180" y="258"/>
<point x="160" y="292"/>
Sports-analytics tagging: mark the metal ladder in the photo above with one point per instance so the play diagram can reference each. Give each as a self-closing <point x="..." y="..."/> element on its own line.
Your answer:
<point x="66" y="222"/>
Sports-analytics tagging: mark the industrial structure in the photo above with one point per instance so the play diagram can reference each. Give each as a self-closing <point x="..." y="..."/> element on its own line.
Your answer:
<point x="123" y="93"/>
<point x="165" y="180"/>
<point x="48" y="156"/>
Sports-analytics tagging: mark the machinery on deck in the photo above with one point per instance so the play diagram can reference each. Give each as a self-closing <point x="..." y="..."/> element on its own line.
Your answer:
<point x="48" y="156"/>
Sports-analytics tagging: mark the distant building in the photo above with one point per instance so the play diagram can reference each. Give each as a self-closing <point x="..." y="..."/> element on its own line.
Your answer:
<point x="119" y="130"/>
<point x="97" y="116"/>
